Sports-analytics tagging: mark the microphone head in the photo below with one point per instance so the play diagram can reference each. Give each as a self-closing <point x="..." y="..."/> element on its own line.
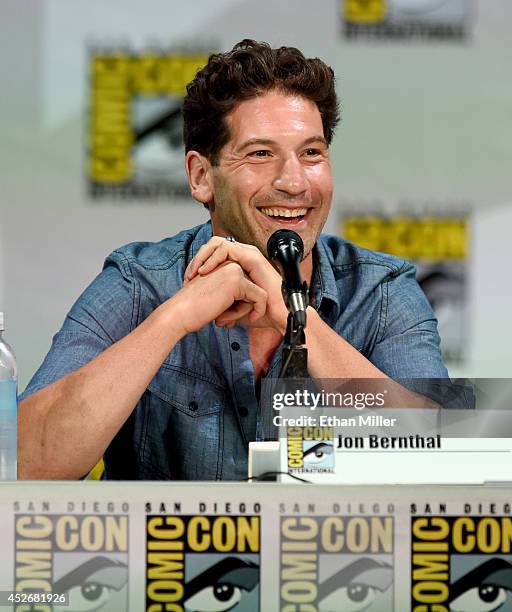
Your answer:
<point x="285" y="239"/>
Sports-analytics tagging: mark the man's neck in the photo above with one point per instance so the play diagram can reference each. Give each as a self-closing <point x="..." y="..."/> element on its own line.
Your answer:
<point x="306" y="269"/>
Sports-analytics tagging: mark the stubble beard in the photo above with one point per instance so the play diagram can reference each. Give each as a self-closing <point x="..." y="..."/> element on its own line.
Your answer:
<point x="234" y="224"/>
<point x="237" y="226"/>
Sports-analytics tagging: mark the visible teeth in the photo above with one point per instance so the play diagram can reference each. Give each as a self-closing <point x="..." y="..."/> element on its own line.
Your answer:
<point x="284" y="212"/>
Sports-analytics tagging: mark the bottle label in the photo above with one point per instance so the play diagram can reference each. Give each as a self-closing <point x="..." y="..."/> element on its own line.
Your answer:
<point x="9" y="396"/>
<point x="8" y="429"/>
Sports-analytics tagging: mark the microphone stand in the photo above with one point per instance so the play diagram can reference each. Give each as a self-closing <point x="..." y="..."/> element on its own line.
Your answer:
<point x="295" y="353"/>
<point x="294" y="362"/>
<point x="294" y="366"/>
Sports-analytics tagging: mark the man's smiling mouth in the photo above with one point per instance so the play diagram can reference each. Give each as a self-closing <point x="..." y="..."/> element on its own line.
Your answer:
<point x="285" y="215"/>
<point x="284" y="212"/>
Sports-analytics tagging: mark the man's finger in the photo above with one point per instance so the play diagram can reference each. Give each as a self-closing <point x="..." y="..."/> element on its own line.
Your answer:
<point x="247" y="256"/>
<point x="234" y="313"/>
<point x="191" y="269"/>
<point x="221" y="254"/>
<point x="252" y="293"/>
<point x="201" y="256"/>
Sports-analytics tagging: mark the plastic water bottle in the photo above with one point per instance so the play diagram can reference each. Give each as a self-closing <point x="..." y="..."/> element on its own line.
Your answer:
<point x="8" y="409"/>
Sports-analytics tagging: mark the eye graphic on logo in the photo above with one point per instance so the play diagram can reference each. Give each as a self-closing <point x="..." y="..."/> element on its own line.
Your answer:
<point x="318" y="453"/>
<point x="355" y="597"/>
<point x="221" y="587"/>
<point x="90" y="586"/>
<point x="485" y="588"/>
<point x="355" y="587"/>
<point x="219" y="597"/>
<point x="480" y="599"/>
<point x="89" y="596"/>
<point x="157" y="140"/>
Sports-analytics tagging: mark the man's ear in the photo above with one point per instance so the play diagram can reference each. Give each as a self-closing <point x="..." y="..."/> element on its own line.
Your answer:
<point x="199" y="172"/>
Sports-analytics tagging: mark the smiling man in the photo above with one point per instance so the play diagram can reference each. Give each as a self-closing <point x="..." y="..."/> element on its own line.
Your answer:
<point x="158" y="363"/>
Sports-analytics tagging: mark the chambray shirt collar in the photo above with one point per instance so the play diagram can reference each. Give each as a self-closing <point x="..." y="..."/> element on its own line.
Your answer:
<point x="323" y="287"/>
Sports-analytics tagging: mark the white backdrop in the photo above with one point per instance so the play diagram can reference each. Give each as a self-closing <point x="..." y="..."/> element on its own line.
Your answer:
<point x="424" y="121"/>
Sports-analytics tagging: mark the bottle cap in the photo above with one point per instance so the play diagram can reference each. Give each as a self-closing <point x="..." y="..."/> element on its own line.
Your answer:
<point x="1" y="321"/>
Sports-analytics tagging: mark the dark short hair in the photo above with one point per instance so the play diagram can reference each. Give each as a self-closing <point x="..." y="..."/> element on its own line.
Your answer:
<point x="250" y="69"/>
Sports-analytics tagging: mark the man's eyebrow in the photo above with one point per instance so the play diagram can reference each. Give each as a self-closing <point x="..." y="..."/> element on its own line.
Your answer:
<point x="269" y="142"/>
<point x="314" y="139"/>
<point x="255" y="141"/>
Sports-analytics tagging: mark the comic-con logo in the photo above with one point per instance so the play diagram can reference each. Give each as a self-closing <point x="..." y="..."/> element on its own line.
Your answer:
<point x="202" y="563"/>
<point x="439" y="246"/>
<point x="365" y="11"/>
<point x="135" y="145"/>
<point x="461" y="564"/>
<point x="342" y="563"/>
<point x="84" y="557"/>
<point x="310" y="449"/>
<point x="404" y="20"/>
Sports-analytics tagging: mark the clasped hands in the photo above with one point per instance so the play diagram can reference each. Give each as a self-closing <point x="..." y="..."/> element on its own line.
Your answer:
<point x="233" y="283"/>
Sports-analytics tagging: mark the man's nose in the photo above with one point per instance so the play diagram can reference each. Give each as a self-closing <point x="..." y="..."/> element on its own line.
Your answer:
<point x="291" y="177"/>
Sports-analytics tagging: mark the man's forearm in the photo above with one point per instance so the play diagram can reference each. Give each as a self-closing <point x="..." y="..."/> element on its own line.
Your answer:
<point x="65" y="428"/>
<point x="331" y="357"/>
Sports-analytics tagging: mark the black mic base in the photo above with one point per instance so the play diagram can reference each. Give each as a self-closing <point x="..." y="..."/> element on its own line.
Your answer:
<point x="295" y="353"/>
<point x="297" y="358"/>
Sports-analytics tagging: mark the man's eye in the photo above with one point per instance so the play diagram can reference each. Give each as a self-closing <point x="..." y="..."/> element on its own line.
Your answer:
<point x="484" y="598"/>
<point x="313" y="152"/>
<point x="220" y="597"/>
<point x="87" y="597"/>
<point x="260" y="153"/>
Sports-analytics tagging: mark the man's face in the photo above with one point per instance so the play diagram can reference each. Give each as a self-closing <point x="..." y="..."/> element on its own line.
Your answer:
<point x="274" y="173"/>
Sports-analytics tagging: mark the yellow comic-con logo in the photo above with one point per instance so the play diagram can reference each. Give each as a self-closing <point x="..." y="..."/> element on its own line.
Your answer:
<point x="365" y="11"/>
<point x="201" y="562"/>
<point x="81" y="557"/>
<point x="134" y="122"/>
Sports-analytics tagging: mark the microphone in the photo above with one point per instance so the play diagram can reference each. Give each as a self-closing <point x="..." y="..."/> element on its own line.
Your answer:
<point x="287" y="250"/>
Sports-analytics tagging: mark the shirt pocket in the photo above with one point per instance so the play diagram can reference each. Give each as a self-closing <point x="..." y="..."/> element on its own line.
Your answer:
<point x="182" y="437"/>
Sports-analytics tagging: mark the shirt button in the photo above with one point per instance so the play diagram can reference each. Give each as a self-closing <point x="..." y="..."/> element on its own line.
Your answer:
<point x="235" y="346"/>
<point x="193" y="406"/>
<point x="242" y="411"/>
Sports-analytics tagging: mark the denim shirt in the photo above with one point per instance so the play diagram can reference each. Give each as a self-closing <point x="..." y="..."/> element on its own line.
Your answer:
<point x="196" y="417"/>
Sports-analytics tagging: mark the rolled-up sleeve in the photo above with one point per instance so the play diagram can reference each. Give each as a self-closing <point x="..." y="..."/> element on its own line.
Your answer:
<point x="408" y="346"/>
<point x="104" y="313"/>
